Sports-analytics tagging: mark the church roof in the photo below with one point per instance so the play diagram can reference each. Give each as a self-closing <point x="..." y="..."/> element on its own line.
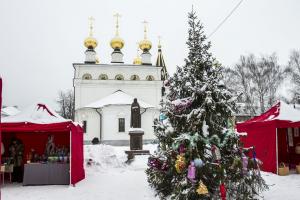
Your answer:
<point x="117" y="98"/>
<point x="161" y="63"/>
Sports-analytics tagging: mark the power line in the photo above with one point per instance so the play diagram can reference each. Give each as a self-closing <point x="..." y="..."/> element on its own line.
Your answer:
<point x="225" y="19"/>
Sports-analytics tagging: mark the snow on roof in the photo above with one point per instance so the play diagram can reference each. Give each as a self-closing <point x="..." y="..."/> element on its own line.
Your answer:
<point x="280" y="111"/>
<point x="37" y="113"/>
<point x="117" y="98"/>
<point x="288" y="112"/>
<point x="10" y="111"/>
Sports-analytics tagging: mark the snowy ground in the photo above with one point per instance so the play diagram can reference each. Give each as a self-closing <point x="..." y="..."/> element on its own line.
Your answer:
<point x="110" y="179"/>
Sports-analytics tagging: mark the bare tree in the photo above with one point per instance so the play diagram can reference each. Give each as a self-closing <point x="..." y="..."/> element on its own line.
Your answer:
<point x="66" y="104"/>
<point x="257" y="79"/>
<point x="294" y="70"/>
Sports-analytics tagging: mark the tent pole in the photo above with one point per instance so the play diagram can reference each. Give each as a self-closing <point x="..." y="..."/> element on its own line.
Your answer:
<point x="277" y="150"/>
<point x="70" y="159"/>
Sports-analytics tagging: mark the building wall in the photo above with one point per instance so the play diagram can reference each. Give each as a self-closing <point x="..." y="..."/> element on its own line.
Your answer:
<point x="110" y="119"/>
<point x="88" y="91"/>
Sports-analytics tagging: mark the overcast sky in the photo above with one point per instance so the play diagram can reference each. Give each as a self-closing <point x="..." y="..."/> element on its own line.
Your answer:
<point x="39" y="40"/>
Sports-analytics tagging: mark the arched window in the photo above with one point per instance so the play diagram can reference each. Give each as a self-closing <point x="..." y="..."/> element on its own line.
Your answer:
<point x="103" y="77"/>
<point x="135" y="78"/>
<point x="119" y="77"/>
<point x="150" y="78"/>
<point x="87" y="77"/>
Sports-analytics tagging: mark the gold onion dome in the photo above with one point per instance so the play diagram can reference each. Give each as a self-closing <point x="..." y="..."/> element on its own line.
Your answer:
<point x="90" y="41"/>
<point x="145" y="44"/>
<point x="137" y="61"/>
<point x="117" y="43"/>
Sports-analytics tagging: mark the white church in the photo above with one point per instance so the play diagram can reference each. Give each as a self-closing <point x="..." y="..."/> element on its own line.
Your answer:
<point x="104" y="92"/>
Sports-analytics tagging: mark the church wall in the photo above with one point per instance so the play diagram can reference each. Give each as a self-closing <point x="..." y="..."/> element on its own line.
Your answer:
<point x="93" y="122"/>
<point x="111" y="114"/>
<point x="88" y="91"/>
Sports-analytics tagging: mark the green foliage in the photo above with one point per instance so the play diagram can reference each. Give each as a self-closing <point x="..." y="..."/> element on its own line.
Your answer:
<point x="198" y="109"/>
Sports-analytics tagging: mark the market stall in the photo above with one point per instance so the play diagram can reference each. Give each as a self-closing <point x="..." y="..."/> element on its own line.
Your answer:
<point x="43" y="147"/>
<point x="275" y="135"/>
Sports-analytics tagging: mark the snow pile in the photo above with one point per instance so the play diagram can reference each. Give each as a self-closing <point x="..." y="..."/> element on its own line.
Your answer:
<point x="103" y="157"/>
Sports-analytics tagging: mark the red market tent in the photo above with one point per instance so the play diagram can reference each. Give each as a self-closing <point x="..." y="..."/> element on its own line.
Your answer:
<point x="0" y="112"/>
<point x="34" y="124"/>
<point x="274" y="135"/>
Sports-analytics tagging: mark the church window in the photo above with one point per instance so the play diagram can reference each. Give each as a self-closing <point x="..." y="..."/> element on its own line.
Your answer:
<point x="119" y="77"/>
<point x="103" y="77"/>
<point x="87" y="77"/>
<point x="150" y="78"/>
<point x="134" y="78"/>
<point x="121" y="124"/>
<point x="84" y="123"/>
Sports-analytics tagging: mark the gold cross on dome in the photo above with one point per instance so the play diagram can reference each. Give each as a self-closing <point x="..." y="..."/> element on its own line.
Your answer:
<point x="117" y="16"/>
<point x="91" y="24"/>
<point x="145" y="29"/>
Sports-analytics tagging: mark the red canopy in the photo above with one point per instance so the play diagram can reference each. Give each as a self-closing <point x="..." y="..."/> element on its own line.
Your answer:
<point x="64" y="131"/>
<point x="267" y="133"/>
<point x="0" y="112"/>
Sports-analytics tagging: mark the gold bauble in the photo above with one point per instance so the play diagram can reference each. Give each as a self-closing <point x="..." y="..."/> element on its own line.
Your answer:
<point x="180" y="163"/>
<point x="145" y="45"/>
<point x="117" y="43"/>
<point x="137" y="61"/>
<point x="202" y="189"/>
<point x="90" y="42"/>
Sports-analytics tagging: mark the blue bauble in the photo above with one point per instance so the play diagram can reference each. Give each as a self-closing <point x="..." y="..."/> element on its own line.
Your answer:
<point x="198" y="162"/>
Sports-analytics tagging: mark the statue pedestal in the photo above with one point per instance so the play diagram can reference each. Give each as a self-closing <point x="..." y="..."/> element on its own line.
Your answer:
<point x="136" y="143"/>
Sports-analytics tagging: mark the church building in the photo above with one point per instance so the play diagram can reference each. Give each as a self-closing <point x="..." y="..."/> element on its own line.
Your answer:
<point x="104" y="92"/>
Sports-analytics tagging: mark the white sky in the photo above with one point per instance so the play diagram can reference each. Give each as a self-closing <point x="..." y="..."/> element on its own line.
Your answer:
<point x="39" y="40"/>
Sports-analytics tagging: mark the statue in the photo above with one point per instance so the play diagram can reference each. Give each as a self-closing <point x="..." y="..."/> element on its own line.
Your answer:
<point x="135" y="121"/>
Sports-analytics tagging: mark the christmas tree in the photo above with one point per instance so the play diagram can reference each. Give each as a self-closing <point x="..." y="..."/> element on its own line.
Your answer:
<point x="199" y="154"/>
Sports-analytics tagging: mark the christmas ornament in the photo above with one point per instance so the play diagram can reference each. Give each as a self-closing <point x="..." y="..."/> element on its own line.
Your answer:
<point x="192" y="172"/>
<point x="182" y="149"/>
<point x="165" y="166"/>
<point x="216" y="153"/>
<point x="202" y="189"/>
<point x="162" y="117"/>
<point x="154" y="163"/>
<point x="180" y="163"/>
<point x="223" y="191"/>
<point x="245" y="164"/>
<point x="198" y="162"/>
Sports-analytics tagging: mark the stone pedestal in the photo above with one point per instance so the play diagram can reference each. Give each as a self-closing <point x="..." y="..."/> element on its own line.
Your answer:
<point x="136" y="144"/>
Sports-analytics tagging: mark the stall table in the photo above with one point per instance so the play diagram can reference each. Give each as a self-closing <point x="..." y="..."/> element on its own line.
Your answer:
<point x="46" y="174"/>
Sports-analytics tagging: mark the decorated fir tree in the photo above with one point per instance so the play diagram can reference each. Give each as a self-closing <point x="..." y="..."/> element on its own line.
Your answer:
<point x="199" y="155"/>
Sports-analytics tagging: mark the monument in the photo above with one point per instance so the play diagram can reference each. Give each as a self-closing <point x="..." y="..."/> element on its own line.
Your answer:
<point x="136" y="132"/>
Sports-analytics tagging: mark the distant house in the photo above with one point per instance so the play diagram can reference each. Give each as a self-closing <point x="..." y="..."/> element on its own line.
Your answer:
<point x="9" y="111"/>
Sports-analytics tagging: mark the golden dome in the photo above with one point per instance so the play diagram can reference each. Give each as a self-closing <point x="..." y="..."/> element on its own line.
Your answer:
<point x="90" y="42"/>
<point x="137" y="61"/>
<point x="145" y="45"/>
<point x="117" y="43"/>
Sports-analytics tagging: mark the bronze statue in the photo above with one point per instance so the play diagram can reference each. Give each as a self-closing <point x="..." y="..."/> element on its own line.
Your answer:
<point x="135" y="121"/>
